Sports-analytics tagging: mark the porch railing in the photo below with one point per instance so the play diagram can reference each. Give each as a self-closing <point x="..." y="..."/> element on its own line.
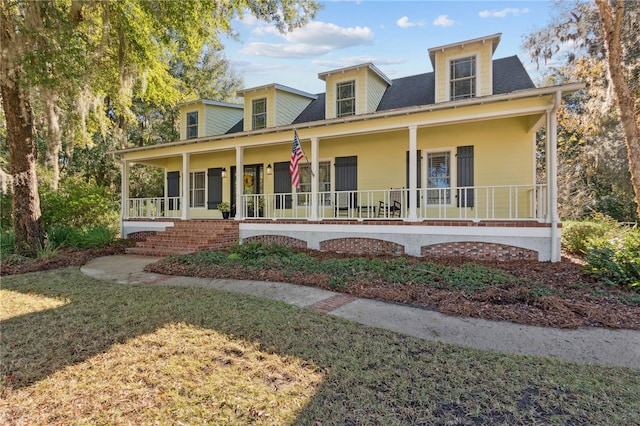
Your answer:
<point x="154" y="208"/>
<point x="501" y="202"/>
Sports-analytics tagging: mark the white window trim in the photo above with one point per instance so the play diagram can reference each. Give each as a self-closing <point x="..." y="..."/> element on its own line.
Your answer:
<point x="453" y="175"/>
<point x="253" y="113"/>
<point x="475" y="55"/>
<point x="355" y="96"/>
<point x="186" y="124"/>
<point x="206" y="184"/>
<point x="331" y="162"/>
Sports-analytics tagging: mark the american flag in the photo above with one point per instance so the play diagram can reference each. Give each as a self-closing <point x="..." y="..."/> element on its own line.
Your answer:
<point x="296" y="156"/>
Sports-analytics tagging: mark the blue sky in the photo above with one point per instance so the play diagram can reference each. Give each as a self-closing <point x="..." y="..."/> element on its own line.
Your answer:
<point x="393" y="35"/>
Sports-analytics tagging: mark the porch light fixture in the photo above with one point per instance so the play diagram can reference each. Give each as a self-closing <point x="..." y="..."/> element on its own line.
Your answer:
<point x="223" y="172"/>
<point x="269" y="169"/>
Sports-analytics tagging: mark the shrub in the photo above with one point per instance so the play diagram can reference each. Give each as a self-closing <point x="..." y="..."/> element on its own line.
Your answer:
<point x="254" y="250"/>
<point x="7" y="239"/>
<point x="6" y="219"/>
<point x="89" y="237"/>
<point x="614" y="258"/>
<point x="79" y="204"/>
<point x="576" y="234"/>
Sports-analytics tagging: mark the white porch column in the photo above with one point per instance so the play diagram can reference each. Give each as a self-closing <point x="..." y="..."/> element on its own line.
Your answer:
<point x="239" y="185"/>
<point x="552" y="178"/>
<point x="185" y="186"/>
<point x="124" y="193"/>
<point x="315" y="183"/>
<point x="413" y="175"/>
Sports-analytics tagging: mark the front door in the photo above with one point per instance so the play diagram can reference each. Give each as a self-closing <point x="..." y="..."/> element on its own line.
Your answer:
<point x="252" y="181"/>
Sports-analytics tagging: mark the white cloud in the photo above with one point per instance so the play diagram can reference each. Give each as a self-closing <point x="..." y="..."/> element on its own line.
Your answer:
<point x="316" y="38"/>
<point x="443" y="21"/>
<point x="276" y="50"/>
<point x="404" y="22"/>
<point x="503" y="13"/>
<point x="330" y="34"/>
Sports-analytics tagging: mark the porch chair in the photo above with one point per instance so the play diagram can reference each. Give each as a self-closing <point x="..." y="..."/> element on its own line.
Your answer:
<point x="342" y="203"/>
<point x="394" y="207"/>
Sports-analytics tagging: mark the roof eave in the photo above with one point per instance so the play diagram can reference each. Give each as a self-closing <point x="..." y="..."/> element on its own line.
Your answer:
<point x="520" y="94"/>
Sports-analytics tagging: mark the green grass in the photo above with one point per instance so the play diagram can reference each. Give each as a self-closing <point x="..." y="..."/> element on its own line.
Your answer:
<point x="76" y="350"/>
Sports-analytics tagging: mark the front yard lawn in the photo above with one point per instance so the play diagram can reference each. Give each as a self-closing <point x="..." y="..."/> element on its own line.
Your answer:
<point x="77" y="350"/>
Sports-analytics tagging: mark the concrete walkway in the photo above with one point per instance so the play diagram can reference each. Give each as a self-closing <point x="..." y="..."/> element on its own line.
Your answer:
<point x="585" y="345"/>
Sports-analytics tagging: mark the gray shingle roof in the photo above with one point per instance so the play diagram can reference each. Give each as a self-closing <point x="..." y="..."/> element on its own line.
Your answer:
<point x="509" y="75"/>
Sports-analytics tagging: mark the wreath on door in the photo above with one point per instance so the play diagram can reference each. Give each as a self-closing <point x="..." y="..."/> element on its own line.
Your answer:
<point x="247" y="180"/>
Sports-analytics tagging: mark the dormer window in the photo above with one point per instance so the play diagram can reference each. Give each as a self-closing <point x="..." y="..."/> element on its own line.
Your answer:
<point x="462" y="78"/>
<point x="192" y="125"/>
<point x="259" y="114"/>
<point x="346" y="98"/>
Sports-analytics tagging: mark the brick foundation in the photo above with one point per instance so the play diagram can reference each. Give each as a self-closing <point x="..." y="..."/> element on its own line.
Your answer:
<point x="479" y="250"/>
<point x="142" y="235"/>
<point x="278" y="239"/>
<point x="362" y="245"/>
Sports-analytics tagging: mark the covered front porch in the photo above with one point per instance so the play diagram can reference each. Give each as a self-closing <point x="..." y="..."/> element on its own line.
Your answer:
<point x="446" y="178"/>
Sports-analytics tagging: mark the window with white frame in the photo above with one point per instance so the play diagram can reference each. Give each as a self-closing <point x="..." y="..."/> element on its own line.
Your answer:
<point x="197" y="189"/>
<point x="192" y="125"/>
<point x="324" y="183"/>
<point x="346" y="98"/>
<point x="259" y="114"/>
<point x="462" y="74"/>
<point x="439" y="178"/>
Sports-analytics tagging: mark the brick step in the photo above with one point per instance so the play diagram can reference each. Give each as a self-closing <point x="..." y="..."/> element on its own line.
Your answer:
<point x="188" y="237"/>
<point x="179" y="241"/>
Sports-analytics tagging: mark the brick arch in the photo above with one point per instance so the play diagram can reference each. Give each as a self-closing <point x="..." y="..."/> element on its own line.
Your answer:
<point x="479" y="250"/>
<point x="277" y="239"/>
<point x="362" y="245"/>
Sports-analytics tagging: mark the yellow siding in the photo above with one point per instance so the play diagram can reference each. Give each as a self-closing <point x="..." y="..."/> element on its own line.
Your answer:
<point x="199" y="108"/>
<point x="269" y="94"/>
<point x="360" y="77"/>
<point x="424" y="120"/>
<point x="483" y="53"/>
<point x="288" y="107"/>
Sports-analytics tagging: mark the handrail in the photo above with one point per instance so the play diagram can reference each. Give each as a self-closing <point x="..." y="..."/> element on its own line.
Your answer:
<point x="495" y="202"/>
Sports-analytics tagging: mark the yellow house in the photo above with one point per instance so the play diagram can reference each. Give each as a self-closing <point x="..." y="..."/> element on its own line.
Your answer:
<point x="440" y="163"/>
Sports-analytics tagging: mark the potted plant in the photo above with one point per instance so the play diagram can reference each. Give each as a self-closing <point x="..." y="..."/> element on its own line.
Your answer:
<point x="224" y="208"/>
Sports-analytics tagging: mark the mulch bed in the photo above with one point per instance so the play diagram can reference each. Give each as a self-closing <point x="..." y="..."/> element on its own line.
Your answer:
<point x="570" y="298"/>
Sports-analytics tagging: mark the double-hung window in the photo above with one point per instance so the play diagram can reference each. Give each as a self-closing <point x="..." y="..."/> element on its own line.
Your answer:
<point x="439" y="178"/>
<point x="324" y="183"/>
<point x="197" y="189"/>
<point x="259" y="114"/>
<point x="346" y="98"/>
<point x="192" y="125"/>
<point x="462" y="74"/>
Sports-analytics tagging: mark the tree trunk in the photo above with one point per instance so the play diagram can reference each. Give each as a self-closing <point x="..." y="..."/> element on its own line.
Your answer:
<point x="27" y="220"/>
<point x="611" y="23"/>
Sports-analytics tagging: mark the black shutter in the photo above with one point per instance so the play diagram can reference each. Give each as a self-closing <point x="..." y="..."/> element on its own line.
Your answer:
<point x="214" y="187"/>
<point x="346" y="173"/>
<point x="418" y="173"/>
<point x="465" y="176"/>
<point x="173" y="189"/>
<point x="347" y="176"/>
<point x="282" y="184"/>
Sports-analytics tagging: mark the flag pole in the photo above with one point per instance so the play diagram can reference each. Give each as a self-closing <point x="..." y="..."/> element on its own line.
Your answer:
<point x="305" y="155"/>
